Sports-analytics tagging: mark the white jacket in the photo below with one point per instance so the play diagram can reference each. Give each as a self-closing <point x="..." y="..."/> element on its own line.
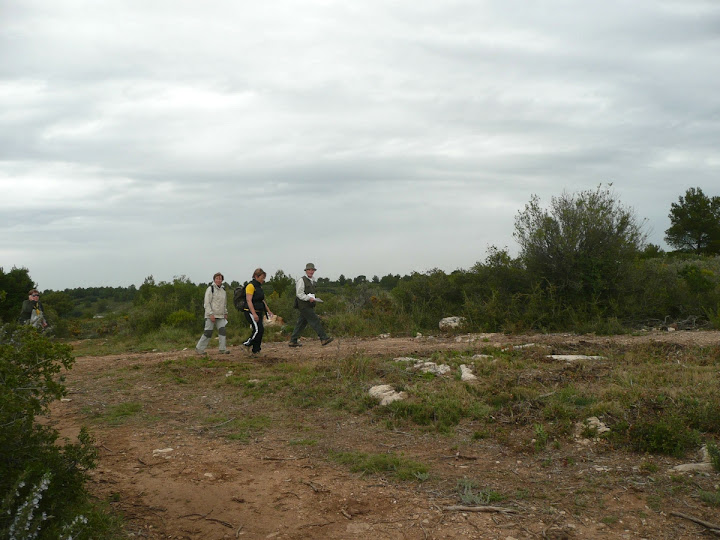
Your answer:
<point x="215" y="302"/>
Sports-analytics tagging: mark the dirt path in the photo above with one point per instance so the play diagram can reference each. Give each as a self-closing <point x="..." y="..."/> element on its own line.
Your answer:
<point x="176" y="478"/>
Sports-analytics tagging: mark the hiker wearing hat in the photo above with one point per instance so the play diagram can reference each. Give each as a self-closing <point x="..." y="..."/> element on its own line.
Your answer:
<point x="305" y="303"/>
<point x="215" y="314"/>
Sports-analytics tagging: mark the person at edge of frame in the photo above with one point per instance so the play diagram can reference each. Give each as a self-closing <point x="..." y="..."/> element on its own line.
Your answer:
<point x="32" y="312"/>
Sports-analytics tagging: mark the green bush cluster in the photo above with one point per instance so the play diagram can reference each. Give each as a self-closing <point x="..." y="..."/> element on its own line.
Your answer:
<point x="42" y="492"/>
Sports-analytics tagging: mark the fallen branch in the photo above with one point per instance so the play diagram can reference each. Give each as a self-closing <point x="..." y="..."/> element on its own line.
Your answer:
<point x="221" y="424"/>
<point x="315" y="488"/>
<point x="459" y="456"/>
<point x="206" y="518"/>
<point x="499" y="509"/>
<point x="711" y="527"/>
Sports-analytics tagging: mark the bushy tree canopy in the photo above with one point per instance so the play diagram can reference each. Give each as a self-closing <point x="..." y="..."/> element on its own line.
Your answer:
<point x="14" y="287"/>
<point x="695" y="223"/>
<point x="582" y="245"/>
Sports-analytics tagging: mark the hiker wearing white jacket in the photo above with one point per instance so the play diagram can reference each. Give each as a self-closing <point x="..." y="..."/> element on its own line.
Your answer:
<point x="215" y="315"/>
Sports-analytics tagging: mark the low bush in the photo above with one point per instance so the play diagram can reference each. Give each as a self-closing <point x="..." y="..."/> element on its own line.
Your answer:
<point x="42" y="489"/>
<point x="668" y="436"/>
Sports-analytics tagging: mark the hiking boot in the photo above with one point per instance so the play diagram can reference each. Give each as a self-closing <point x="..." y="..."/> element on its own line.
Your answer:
<point x="326" y="341"/>
<point x="200" y="353"/>
<point x="294" y="344"/>
<point x="224" y="351"/>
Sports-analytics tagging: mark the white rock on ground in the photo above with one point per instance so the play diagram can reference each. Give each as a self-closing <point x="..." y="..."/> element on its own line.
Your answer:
<point x="466" y="373"/>
<point x="431" y="367"/>
<point x="386" y="394"/>
<point x="524" y="346"/>
<point x="451" y="323"/>
<point x="705" y="464"/>
<point x="593" y="423"/>
<point x="694" y="467"/>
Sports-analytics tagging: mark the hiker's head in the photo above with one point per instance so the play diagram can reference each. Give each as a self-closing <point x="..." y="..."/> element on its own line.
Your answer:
<point x="259" y="274"/>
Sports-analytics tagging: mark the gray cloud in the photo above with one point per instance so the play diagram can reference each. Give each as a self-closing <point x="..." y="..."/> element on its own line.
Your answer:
<point x="175" y="138"/>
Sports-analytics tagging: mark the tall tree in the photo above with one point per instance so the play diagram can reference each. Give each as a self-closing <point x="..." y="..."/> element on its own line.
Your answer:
<point x="695" y="223"/>
<point x="582" y="246"/>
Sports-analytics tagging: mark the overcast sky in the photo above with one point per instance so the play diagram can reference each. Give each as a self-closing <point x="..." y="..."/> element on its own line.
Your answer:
<point x="175" y="137"/>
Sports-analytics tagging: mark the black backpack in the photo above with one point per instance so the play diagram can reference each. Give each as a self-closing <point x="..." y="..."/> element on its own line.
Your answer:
<point x="239" y="298"/>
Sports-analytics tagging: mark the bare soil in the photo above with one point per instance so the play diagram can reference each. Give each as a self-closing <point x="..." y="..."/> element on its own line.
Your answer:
<point x="173" y="476"/>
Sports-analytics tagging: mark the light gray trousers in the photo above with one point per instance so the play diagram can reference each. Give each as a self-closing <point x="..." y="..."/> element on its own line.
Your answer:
<point x="220" y="322"/>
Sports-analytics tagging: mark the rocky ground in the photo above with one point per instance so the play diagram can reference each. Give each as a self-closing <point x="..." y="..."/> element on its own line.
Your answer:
<point x="173" y="477"/>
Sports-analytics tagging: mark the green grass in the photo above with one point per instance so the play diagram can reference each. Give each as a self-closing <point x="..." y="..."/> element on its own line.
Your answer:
<point x="711" y="498"/>
<point x="397" y="466"/>
<point x="303" y="442"/>
<point x="238" y="429"/>
<point x="470" y="494"/>
<point x="714" y="453"/>
<point x="118" y="414"/>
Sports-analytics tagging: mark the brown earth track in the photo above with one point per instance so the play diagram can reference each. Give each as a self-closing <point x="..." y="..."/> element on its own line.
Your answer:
<point x="210" y="487"/>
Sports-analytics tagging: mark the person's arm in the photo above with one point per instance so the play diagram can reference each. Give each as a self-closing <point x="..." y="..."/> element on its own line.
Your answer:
<point x="249" y="292"/>
<point x="267" y="309"/>
<point x="207" y="303"/>
<point x="26" y="310"/>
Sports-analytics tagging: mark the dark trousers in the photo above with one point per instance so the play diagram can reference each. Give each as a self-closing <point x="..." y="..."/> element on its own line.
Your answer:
<point x="308" y="316"/>
<point x="257" y="330"/>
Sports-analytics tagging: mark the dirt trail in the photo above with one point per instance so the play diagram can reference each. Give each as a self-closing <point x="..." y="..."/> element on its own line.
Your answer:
<point x="176" y="478"/>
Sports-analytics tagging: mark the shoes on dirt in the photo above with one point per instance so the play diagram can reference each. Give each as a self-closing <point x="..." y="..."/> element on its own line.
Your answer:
<point x="294" y="344"/>
<point x="225" y="351"/>
<point x="326" y="341"/>
<point x="200" y="353"/>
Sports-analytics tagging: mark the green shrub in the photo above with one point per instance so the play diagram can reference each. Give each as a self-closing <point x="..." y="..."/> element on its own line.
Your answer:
<point x="670" y="437"/>
<point x="402" y="468"/>
<point x="183" y="319"/>
<point x="41" y="481"/>
<point x="714" y="453"/>
<point x="470" y="494"/>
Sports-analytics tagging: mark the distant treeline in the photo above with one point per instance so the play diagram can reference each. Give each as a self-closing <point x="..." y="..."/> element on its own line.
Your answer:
<point x="498" y="294"/>
<point x="583" y="265"/>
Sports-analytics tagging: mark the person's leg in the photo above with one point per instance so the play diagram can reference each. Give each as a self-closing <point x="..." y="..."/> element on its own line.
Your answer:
<point x="253" y="329"/>
<point x="299" y="327"/>
<point x="314" y="321"/>
<point x="222" y="334"/>
<point x="206" y="335"/>
<point x="257" y="342"/>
